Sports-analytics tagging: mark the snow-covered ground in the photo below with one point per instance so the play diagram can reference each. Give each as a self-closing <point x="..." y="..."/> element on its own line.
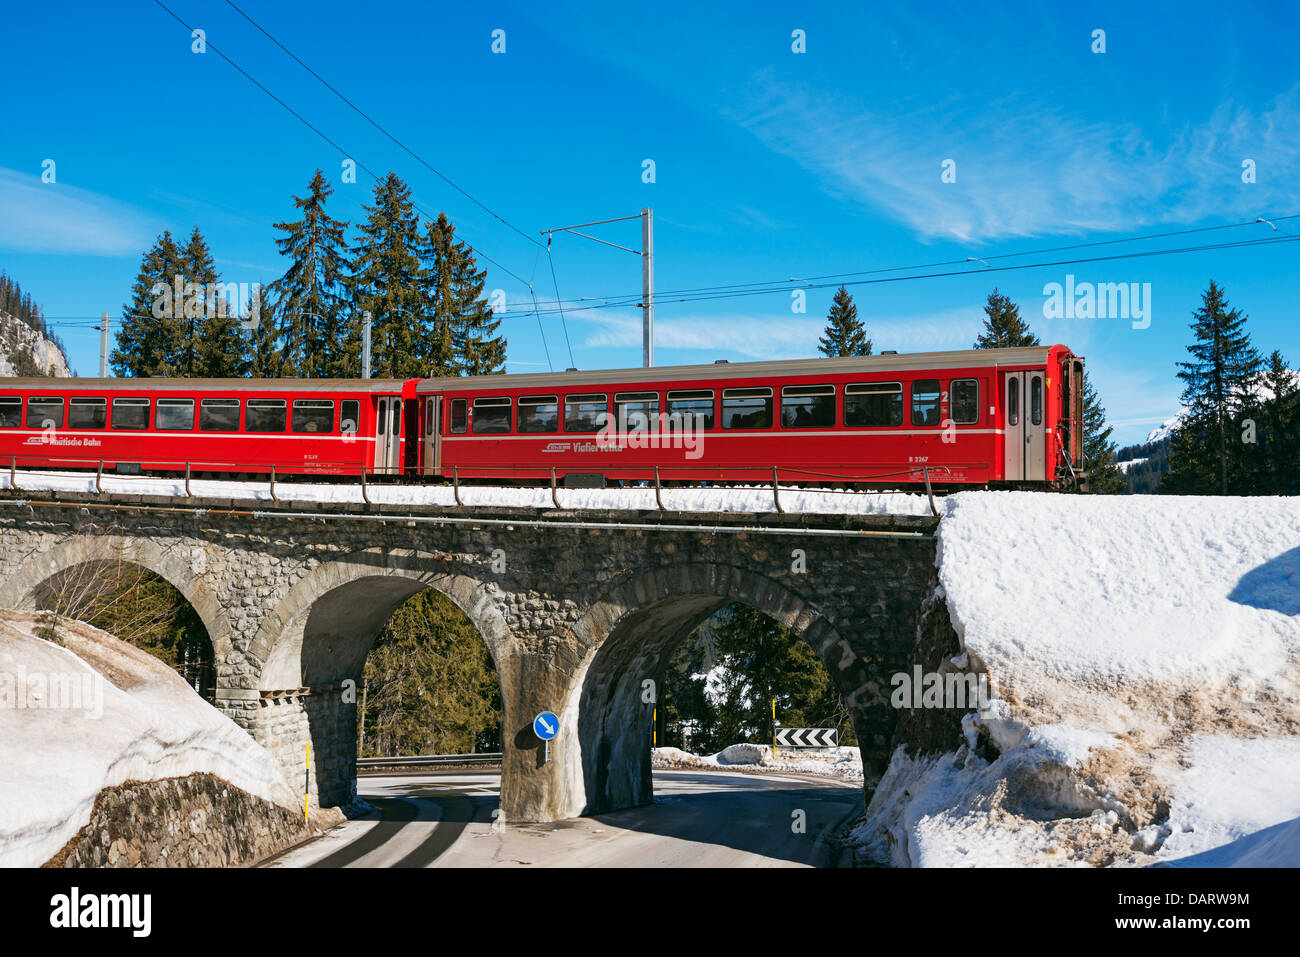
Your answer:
<point x="839" y="762"/>
<point x="747" y="499"/>
<point x="92" y="712"/>
<point x="1145" y="659"/>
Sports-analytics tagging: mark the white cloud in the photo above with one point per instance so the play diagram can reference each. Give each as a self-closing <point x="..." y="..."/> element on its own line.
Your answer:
<point x="1028" y="168"/>
<point x="58" y="218"/>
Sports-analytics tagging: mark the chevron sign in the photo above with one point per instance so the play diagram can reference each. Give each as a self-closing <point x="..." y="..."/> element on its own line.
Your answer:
<point x="807" y="737"/>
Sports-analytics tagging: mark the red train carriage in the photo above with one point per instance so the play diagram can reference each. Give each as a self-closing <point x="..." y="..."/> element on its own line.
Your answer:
<point x="209" y="426"/>
<point x="975" y="417"/>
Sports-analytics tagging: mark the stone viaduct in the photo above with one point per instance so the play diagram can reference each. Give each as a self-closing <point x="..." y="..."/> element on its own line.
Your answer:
<point x="577" y="610"/>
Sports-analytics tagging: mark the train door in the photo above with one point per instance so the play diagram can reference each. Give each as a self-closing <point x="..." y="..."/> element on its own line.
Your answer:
<point x="1026" y="433"/>
<point x="388" y="434"/>
<point x="431" y="449"/>
<point x="1013" y="390"/>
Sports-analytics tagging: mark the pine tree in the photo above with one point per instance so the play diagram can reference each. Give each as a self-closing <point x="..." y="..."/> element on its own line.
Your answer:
<point x="1104" y="476"/>
<point x="1206" y="454"/>
<point x="462" y="327"/>
<point x="265" y="337"/>
<point x="150" y="330"/>
<point x="387" y="282"/>
<point x="845" y="334"/>
<point x="1003" y="327"/>
<point x="1277" y="448"/>
<point x="311" y="292"/>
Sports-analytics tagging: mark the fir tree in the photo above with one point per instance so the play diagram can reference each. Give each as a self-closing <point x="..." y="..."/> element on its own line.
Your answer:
<point x="387" y="282"/>
<point x="845" y="334"/>
<point x="261" y="318"/>
<point x="1104" y="476"/>
<point x="149" y="332"/>
<point x="1003" y="327"/>
<point x="311" y="292"/>
<point x="462" y="327"/>
<point x="1206" y="454"/>
<point x="1277" y="440"/>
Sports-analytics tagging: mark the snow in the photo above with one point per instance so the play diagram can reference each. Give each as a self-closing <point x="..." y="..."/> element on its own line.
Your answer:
<point x="1131" y="463"/>
<point x="732" y="499"/>
<point x="1144" y="655"/>
<point x="136" y="719"/>
<point x="837" y="762"/>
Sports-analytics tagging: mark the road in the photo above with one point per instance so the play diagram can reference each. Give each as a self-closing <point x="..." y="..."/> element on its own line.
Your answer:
<point x="698" y="819"/>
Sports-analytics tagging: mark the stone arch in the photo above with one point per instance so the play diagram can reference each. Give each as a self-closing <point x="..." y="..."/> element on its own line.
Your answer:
<point x="183" y="565"/>
<point x="317" y="638"/>
<point x="627" y="636"/>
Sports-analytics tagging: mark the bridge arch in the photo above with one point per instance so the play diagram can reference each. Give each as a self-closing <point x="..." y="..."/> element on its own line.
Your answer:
<point x="182" y="567"/>
<point x="630" y="633"/>
<point x="316" y="639"/>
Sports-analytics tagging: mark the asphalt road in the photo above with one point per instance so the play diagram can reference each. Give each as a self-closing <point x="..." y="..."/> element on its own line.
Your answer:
<point x="698" y="819"/>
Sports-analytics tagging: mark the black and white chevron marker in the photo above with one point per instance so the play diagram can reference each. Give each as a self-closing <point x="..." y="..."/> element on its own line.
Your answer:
<point x="807" y="737"/>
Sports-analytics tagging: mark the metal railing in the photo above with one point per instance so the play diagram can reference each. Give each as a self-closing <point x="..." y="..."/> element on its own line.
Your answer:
<point x="430" y="760"/>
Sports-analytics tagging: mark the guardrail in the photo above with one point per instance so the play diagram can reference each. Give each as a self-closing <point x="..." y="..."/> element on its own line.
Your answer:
<point x="430" y="760"/>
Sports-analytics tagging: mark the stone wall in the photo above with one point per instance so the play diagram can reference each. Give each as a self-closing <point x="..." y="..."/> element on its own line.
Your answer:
<point x="195" y="821"/>
<point x="577" y="619"/>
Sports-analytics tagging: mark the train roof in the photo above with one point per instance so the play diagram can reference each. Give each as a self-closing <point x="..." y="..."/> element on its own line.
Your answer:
<point x="902" y="362"/>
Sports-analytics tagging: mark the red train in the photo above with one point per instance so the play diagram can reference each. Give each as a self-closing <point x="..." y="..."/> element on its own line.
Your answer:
<point x="976" y="417"/>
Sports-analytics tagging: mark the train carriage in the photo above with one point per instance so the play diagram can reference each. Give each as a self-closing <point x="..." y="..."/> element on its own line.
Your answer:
<point x="975" y="417"/>
<point x="309" y="427"/>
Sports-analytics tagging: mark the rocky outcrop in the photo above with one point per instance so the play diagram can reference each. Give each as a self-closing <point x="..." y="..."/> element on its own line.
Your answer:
<point x="26" y="352"/>
<point x="194" y="821"/>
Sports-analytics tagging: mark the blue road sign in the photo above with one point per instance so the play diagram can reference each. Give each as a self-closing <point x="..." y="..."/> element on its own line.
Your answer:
<point x="546" y="725"/>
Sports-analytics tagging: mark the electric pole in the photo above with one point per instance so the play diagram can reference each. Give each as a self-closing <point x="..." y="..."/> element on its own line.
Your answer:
<point x="365" y="345"/>
<point x="647" y="287"/>
<point x="103" y="345"/>
<point x="647" y="254"/>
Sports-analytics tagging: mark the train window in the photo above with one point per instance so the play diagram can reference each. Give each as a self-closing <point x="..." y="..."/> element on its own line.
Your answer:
<point x="964" y="401"/>
<point x="693" y="404"/>
<point x="87" y="413"/>
<point x="130" y="413"/>
<point x="219" y="415"/>
<point x="174" y="415"/>
<point x="807" y="406"/>
<point x="265" y="415"/>
<point x="1013" y="400"/>
<point x="492" y="416"/>
<point x="637" y="411"/>
<point x="539" y="413"/>
<point x="44" y="412"/>
<point x="350" y="416"/>
<point x="873" y="403"/>
<point x="459" y="415"/>
<point x="747" y="408"/>
<point x="11" y="412"/>
<point x="1036" y="400"/>
<point x="585" y="413"/>
<point x="925" y="402"/>
<point x="428" y="416"/>
<point x="313" y="415"/>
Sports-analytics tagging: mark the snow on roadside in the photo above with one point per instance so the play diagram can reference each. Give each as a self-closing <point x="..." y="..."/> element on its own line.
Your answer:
<point x="133" y="718"/>
<point x="836" y="762"/>
<point x="742" y="499"/>
<point x="1144" y="654"/>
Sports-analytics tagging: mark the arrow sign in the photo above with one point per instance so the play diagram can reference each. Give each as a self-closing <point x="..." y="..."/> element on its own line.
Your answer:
<point x="807" y="737"/>
<point x="546" y="725"/>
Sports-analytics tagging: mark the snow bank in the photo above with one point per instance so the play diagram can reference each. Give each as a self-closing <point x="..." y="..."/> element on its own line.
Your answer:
<point x="838" y="762"/>
<point x="99" y="712"/>
<point x="1144" y="654"/>
<point x="743" y="499"/>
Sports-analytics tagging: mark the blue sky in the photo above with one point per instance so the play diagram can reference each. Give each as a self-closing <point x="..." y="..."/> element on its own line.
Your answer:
<point x="769" y="164"/>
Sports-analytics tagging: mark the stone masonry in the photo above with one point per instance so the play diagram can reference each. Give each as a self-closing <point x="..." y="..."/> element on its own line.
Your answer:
<point x="578" y="618"/>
